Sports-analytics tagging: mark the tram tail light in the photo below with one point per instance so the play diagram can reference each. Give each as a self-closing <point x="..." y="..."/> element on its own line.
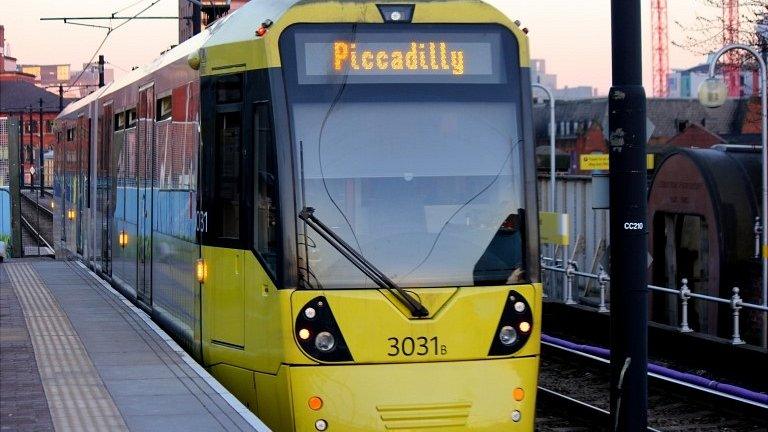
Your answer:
<point x="201" y="270"/>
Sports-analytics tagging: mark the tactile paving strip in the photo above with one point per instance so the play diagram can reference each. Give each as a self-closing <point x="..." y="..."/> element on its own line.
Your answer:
<point x="77" y="397"/>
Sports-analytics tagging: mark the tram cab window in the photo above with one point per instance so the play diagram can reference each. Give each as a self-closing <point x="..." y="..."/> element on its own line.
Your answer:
<point x="229" y="89"/>
<point x="265" y="191"/>
<point x="228" y="149"/>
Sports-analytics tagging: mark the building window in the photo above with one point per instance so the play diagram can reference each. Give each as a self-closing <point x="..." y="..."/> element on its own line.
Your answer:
<point x="119" y="121"/>
<point x="131" y="117"/>
<point x="164" y="108"/>
<point x="48" y="126"/>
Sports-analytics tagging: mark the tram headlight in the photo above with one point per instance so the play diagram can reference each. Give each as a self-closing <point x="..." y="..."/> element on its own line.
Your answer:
<point x="318" y="334"/>
<point x="515" y="326"/>
<point x="525" y="326"/>
<point x="324" y="341"/>
<point x="508" y="335"/>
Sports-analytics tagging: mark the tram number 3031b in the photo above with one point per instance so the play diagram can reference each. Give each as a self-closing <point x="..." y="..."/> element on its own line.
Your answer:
<point x="419" y="346"/>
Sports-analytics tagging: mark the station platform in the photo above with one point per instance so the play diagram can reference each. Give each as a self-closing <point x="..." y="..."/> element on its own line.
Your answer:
<point x="76" y="356"/>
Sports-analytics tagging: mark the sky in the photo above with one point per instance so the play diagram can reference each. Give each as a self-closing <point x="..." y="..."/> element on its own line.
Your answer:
<point x="573" y="36"/>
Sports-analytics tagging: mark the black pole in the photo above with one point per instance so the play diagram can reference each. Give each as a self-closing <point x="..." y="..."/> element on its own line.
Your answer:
<point x="101" y="71"/>
<point x="196" y="17"/>
<point x="628" y="224"/>
<point x="31" y="148"/>
<point x="21" y="150"/>
<point x="61" y="98"/>
<point x="40" y="128"/>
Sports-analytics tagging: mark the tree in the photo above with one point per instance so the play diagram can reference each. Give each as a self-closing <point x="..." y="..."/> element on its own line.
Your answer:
<point x="712" y="28"/>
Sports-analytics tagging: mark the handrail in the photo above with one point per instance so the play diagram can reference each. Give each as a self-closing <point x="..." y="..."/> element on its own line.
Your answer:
<point x="684" y="293"/>
<point x="656" y="288"/>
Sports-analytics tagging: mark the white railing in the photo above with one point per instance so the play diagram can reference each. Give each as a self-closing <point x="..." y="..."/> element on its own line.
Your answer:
<point x="571" y="271"/>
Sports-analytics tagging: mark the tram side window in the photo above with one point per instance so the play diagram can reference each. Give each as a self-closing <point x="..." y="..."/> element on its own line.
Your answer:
<point x="227" y="189"/>
<point x="266" y="218"/>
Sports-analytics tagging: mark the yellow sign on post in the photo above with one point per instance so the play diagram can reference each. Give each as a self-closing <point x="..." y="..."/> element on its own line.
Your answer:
<point x="599" y="162"/>
<point x="553" y="228"/>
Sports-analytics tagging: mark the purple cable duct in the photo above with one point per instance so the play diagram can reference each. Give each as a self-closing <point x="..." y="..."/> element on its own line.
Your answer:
<point x="666" y="372"/>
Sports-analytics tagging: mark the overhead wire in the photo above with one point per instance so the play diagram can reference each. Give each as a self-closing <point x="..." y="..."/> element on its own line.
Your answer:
<point x="103" y="41"/>
<point x="128" y="7"/>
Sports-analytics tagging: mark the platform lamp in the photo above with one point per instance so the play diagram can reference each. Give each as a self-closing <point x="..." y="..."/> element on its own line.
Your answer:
<point x="552" y="172"/>
<point x="712" y="94"/>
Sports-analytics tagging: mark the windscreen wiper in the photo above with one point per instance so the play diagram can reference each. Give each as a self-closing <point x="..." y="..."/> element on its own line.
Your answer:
<point x="414" y="306"/>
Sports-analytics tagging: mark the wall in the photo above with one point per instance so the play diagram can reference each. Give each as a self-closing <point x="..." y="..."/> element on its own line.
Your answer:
<point x="5" y="215"/>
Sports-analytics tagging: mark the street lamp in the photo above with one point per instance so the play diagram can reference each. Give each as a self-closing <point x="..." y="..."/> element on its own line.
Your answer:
<point x="712" y="94"/>
<point x="551" y="145"/>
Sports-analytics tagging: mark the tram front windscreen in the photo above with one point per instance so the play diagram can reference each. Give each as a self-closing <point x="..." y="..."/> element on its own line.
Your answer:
<point x="410" y="149"/>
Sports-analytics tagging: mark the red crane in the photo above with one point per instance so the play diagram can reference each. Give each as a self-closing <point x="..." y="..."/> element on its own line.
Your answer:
<point x="660" y="47"/>
<point x="731" y="35"/>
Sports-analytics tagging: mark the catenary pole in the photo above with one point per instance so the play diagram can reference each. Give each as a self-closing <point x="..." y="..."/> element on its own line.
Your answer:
<point x="31" y="147"/>
<point x="628" y="224"/>
<point x="40" y="133"/>
<point x="101" y="71"/>
<point x="21" y="150"/>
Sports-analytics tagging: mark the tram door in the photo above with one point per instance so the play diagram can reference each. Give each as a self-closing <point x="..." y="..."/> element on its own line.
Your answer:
<point x="104" y="181"/>
<point x="82" y="144"/>
<point x="144" y="182"/>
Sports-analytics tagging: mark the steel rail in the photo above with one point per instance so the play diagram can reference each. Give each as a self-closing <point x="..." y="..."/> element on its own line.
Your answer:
<point x="572" y="403"/>
<point x="708" y="391"/>
<point x="31" y="228"/>
<point x="40" y="207"/>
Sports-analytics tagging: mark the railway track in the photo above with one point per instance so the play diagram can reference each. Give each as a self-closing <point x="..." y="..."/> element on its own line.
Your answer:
<point x="574" y="395"/>
<point x="37" y="226"/>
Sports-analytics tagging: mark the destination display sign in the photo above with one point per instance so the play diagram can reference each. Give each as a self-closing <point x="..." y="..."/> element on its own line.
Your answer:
<point x="399" y="58"/>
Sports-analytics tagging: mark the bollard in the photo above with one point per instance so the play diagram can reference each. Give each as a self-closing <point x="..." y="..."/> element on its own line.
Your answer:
<point x="736" y="305"/>
<point x="569" y="282"/>
<point x="685" y="294"/>
<point x="602" y="279"/>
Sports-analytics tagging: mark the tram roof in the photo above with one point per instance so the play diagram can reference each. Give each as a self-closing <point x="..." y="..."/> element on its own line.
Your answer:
<point x="238" y="26"/>
<point x="182" y="51"/>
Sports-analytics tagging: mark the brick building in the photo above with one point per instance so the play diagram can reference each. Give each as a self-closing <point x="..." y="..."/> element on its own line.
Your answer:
<point x="582" y="125"/>
<point x="209" y="12"/>
<point x="19" y="94"/>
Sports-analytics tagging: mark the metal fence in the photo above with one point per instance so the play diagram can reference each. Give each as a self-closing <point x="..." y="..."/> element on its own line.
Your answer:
<point x="571" y="273"/>
<point x="588" y="229"/>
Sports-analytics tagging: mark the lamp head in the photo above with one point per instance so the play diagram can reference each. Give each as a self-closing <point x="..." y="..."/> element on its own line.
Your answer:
<point x="713" y="92"/>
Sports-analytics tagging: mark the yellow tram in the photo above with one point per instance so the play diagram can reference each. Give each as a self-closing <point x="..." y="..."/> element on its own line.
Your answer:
<point x="331" y="205"/>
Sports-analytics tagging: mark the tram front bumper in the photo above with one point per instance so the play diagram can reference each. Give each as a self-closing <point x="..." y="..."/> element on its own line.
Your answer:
<point x="445" y="396"/>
